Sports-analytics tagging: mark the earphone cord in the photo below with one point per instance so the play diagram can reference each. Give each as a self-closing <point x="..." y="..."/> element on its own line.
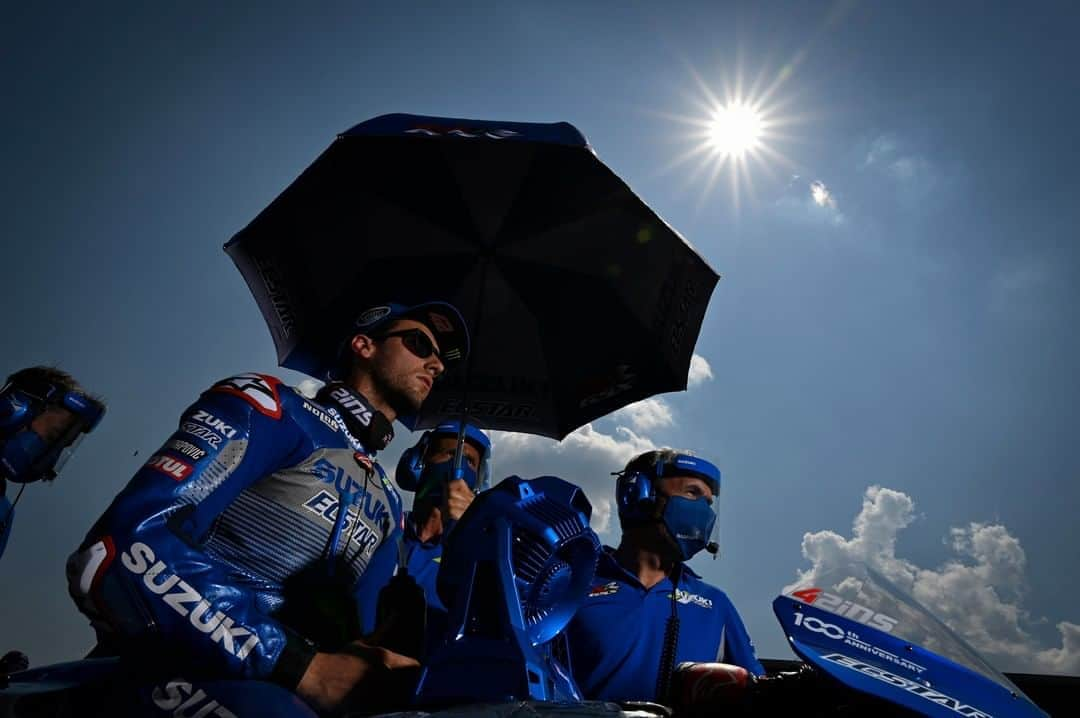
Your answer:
<point x="671" y="643"/>
<point x="356" y="521"/>
<point x="11" y="509"/>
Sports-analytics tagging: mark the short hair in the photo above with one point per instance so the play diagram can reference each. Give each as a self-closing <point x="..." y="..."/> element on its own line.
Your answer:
<point x="646" y="463"/>
<point x="52" y="375"/>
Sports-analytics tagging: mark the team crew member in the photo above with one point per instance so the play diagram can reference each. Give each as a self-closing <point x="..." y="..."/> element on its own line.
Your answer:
<point x="44" y="414"/>
<point x="410" y="617"/>
<point x="647" y="611"/>
<point x="259" y="500"/>
<point x="428" y="469"/>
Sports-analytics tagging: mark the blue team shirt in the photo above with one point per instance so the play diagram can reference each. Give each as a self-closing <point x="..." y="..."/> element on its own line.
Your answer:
<point x="616" y="639"/>
<point x="422" y="559"/>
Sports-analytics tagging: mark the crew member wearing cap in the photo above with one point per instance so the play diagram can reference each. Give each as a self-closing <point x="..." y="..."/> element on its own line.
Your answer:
<point x="44" y="414"/>
<point x="444" y="489"/>
<point x="242" y="547"/>
<point x="443" y="492"/>
<point x="647" y="611"/>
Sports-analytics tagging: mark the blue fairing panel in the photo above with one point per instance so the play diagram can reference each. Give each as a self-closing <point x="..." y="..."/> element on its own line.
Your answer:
<point x="877" y="662"/>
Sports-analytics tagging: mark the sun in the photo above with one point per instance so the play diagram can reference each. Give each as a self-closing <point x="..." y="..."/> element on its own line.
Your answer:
<point x="735" y="129"/>
<point x="735" y="132"/>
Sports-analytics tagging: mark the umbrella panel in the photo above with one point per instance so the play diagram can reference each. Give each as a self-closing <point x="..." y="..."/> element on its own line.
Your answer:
<point x="566" y="279"/>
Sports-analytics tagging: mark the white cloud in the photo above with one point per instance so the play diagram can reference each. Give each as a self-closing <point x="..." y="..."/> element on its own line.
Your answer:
<point x="601" y="516"/>
<point x="613" y="449"/>
<point x="894" y="158"/>
<point x="646" y="414"/>
<point x="978" y="592"/>
<point x="810" y="201"/>
<point x="882" y="149"/>
<point x="700" y="371"/>
<point x="821" y="195"/>
<point x="587" y="457"/>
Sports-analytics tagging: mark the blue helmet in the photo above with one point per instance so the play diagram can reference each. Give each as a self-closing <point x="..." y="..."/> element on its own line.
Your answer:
<point x="415" y="474"/>
<point x="688" y="523"/>
<point x="24" y="455"/>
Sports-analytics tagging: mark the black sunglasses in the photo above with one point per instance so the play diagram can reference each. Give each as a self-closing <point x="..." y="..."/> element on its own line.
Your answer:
<point x="415" y="341"/>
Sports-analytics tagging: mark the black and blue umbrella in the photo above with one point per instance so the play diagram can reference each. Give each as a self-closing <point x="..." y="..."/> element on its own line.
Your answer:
<point x="579" y="298"/>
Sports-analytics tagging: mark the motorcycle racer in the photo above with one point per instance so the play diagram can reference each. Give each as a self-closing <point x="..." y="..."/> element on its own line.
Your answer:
<point x="242" y="547"/>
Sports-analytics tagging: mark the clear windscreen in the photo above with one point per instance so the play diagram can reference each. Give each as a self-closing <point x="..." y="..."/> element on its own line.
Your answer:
<point x="861" y="594"/>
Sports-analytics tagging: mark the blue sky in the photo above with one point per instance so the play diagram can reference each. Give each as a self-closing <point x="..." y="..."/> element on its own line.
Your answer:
<point x="910" y="332"/>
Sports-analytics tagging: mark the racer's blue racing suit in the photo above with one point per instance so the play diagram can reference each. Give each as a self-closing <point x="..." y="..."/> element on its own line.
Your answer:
<point x="616" y="639"/>
<point x="212" y="549"/>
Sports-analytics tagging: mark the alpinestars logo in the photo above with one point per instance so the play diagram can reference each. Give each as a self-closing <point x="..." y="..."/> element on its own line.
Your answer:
<point x="185" y="600"/>
<point x="848" y="609"/>
<point x="259" y="390"/>
<point x="173" y="468"/>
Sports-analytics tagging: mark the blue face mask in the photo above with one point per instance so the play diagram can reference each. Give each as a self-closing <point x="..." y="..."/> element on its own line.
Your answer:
<point x="18" y="456"/>
<point x="690" y="523"/>
<point x="435" y="477"/>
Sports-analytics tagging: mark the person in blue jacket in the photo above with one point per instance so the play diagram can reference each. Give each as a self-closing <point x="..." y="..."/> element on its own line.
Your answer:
<point x="441" y="496"/>
<point x="44" y="414"/>
<point x="409" y="616"/>
<point x="243" y="545"/>
<point x="647" y="611"/>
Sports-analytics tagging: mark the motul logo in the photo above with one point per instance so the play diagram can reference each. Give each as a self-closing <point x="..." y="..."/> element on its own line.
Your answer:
<point x="173" y="468"/>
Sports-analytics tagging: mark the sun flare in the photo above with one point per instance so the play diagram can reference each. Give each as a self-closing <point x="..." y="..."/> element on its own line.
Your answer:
<point x="735" y="133"/>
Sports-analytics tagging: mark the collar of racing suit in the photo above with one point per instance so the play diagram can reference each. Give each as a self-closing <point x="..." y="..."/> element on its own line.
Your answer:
<point x="369" y="425"/>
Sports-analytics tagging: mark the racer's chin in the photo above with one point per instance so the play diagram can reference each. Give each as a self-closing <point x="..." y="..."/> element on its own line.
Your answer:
<point x="409" y="397"/>
<point x="404" y="392"/>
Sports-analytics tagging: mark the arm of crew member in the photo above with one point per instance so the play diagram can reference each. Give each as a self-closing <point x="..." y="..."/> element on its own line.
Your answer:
<point x="737" y="647"/>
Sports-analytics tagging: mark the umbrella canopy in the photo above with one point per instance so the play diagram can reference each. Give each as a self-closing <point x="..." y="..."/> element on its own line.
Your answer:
<point x="579" y="298"/>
